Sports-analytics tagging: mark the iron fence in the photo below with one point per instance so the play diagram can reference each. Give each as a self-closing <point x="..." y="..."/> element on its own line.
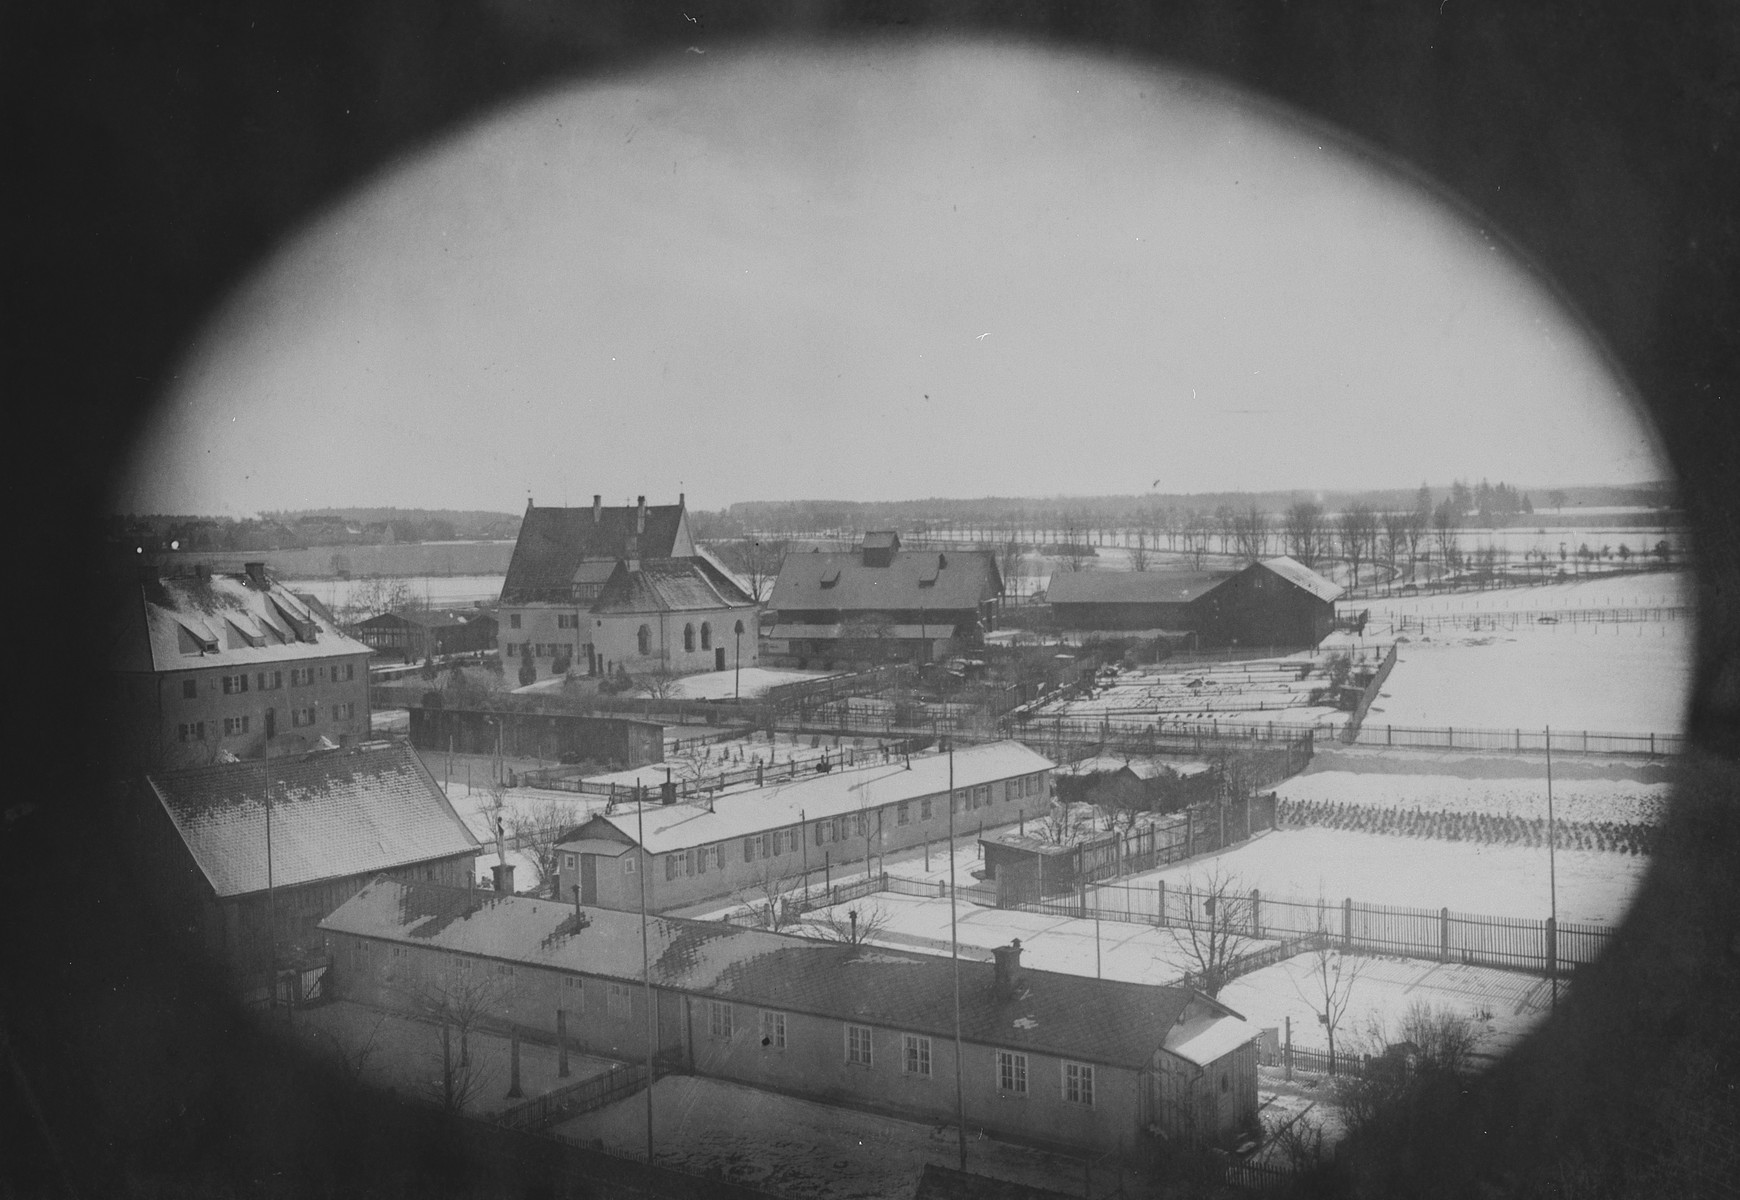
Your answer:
<point x="1520" y="741"/>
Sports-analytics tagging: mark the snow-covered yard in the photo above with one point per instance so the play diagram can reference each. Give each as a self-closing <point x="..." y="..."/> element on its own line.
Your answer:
<point x="1625" y="678"/>
<point x="799" y="1148"/>
<point x="723" y="685"/>
<point x="1276" y="690"/>
<point x="1465" y="877"/>
<point x="1656" y="589"/>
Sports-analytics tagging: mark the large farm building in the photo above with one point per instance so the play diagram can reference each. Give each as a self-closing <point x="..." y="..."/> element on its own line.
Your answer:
<point x="1274" y="602"/>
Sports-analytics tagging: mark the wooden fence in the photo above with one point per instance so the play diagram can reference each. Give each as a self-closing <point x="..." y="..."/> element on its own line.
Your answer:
<point x="621" y="1080"/>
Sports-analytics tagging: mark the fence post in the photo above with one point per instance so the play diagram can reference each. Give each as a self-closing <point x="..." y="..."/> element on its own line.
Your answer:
<point x="1444" y="935"/>
<point x="1160" y="918"/>
<point x="1256" y="914"/>
<point x="1347" y="925"/>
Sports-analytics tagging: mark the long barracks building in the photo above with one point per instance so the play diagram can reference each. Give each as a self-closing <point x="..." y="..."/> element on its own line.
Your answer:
<point x="1079" y="1064"/>
<point x="716" y="847"/>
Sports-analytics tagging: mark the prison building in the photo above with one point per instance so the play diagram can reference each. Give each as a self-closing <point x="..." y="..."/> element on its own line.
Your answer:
<point x="249" y="856"/>
<point x="1274" y="602"/>
<point x="879" y="603"/>
<point x="705" y="848"/>
<point x="1050" y="1059"/>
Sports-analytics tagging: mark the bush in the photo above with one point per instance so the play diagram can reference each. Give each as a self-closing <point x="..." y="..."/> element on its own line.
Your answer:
<point x="617" y="682"/>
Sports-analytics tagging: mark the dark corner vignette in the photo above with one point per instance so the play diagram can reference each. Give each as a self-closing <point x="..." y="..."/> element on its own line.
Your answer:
<point x="169" y="151"/>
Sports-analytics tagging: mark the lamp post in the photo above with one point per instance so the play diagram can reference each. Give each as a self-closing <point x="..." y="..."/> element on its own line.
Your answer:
<point x="737" y="660"/>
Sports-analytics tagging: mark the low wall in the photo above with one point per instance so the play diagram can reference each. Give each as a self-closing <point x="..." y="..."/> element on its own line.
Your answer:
<point x="549" y="735"/>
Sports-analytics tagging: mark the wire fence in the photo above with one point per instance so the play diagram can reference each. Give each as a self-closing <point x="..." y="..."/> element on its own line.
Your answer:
<point x="1425" y="622"/>
<point x="1520" y="741"/>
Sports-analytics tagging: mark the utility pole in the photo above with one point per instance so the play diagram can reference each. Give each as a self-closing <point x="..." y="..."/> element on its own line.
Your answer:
<point x="271" y="895"/>
<point x="955" y="955"/>
<point x="652" y="1023"/>
<point x="1552" y="874"/>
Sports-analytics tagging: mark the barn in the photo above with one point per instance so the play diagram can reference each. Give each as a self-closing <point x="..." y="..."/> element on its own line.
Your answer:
<point x="1272" y="602"/>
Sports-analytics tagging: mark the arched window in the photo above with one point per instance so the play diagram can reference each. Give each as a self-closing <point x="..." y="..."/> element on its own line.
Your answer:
<point x="688" y="637"/>
<point x="706" y="636"/>
<point x="644" y="638"/>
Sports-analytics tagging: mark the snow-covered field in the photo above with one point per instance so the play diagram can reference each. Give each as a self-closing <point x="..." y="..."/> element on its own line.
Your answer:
<point x="1628" y="678"/>
<point x="439" y="591"/>
<point x="1574" y="799"/>
<point x="1656" y="589"/>
<point x="1465" y="877"/>
<point x="1264" y="691"/>
<point x="798" y="1148"/>
<point x="1505" y="1005"/>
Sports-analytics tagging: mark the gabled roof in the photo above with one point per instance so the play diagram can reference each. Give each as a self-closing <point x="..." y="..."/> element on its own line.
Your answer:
<point x="333" y="815"/>
<point x="1092" y="1020"/>
<point x="1299" y="575"/>
<point x="1131" y="587"/>
<point x="553" y="542"/>
<point x="969" y="579"/>
<point x="669" y="585"/>
<point x="220" y="621"/>
<point x="671" y="827"/>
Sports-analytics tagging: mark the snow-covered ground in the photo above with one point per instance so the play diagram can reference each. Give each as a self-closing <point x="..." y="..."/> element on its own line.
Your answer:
<point x="723" y="685"/>
<point x="1574" y="799"/>
<point x="1626" y="678"/>
<point x="1656" y="589"/>
<point x="438" y="591"/>
<point x="1465" y="877"/>
<point x="1264" y="691"/>
<point x="798" y="1148"/>
<point x="1505" y="1005"/>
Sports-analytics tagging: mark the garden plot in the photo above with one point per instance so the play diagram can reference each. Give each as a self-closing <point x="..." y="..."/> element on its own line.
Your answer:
<point x="799" y="1148"/>
<point x="1465" y="877"/>
<point x="1624" y="678"/>
<point x="1505" y="1006"/>
<point x="1616" y="800"/>
<point x="1270" y="690"/>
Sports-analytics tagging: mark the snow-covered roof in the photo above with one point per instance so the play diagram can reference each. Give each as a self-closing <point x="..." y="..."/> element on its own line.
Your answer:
<point x="935" y="629"/>
<point x="1072" y="1016"/>
<point x="1300" y="575"/>
<point x="181" y="623"/>
<point x="332" y="816"/>
<point x="843" y="790"/>
<point x="1204" y="1039"/>
<point x="1131" y="587"/>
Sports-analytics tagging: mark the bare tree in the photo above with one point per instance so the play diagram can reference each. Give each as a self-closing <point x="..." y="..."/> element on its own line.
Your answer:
<point x="1119" y="800"/>
<point x="1328" y="986"/>
<point x="756" y="562"/>
<point x="1139" y="552"/>
<point x="1357" y="528"/>
<point x="767" y="899"/>
<point x="660" y="684"/>
<point x="537" y="829"/>
<point x="856" y="925"/>
<point x="1009" y="560"/>
<point x="353" y="1060"/>
<point x="1216" y="931"/>
<point x="457" y="1001"/>
<point x="1226" y="526"/>
<point x="1303" y="529"/>
<point x="1395" y="539"/>
<point x="1196" y="529"/>
<point x="1444" y="530"/>
<point x="1252" y="532"/>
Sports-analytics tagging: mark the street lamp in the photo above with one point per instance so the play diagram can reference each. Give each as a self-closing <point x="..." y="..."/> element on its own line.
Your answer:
<point x="737" y="660"/>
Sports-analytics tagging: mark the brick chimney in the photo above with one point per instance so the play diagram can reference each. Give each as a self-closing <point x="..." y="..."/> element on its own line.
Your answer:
<point x="640" y="515"/>
<point x="1008" y="961"/>
<point x="597" y="508"/>
<point x="256" y="574"/>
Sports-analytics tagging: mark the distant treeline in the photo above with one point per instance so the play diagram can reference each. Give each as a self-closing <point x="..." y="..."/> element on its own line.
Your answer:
<point x="1483" y="503"/>
<point x="300" y="530"/>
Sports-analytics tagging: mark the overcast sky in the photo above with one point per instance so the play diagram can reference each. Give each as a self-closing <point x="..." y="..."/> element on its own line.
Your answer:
<point x="950" y="271"/>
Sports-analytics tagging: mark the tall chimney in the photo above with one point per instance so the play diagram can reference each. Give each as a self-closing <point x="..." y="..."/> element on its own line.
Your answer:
<point x="256" y="573"/>
<point x="1008" y="961"/>
<point x="640" y="515"/>
<point x="597" y="508"/>
<point x="680" y="499"/>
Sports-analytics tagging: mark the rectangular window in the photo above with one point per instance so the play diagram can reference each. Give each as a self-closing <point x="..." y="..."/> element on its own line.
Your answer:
<point x="673" y="866"/>
<point x="773" y="1030"/>
<point x="903" y="813"/>
<point x="570" y="861"/>
<point x="235" y="725"/>
<point x="791" y="838"/>
<point x="190" y="689"/>
<point x="234" y="684"/>
<point x="1078" y="1083"/>
<point x="301" y="676"/>
<point x="819" y="826"/>
<point x="267" y="681"/>
<point x="924" y="809"/>
<point x="917" y="1055"/>
<point x="959" y="801"/>
<point x="1012" y="1072"/>
<point x="513" y="622"/>
<point x="617" y="1002"/>
<point x="748" y="849"/>
<point x="1011" y="789"/>
<point x="719" y="1019"/>
<point x="628" y="861"/>
<point x="570" y="983"/>
<point x="343" y="712"/>
<point x="194" y="731"/>
<point x="701" y="857"/>
<point x="858" y="1044"/>
<point x="513" y="649"/>
<point x="505" y="970"/>
<point x="982" y="795"/>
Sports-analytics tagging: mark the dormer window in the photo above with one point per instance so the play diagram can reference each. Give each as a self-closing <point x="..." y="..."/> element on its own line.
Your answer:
<point x="831" y="577"/>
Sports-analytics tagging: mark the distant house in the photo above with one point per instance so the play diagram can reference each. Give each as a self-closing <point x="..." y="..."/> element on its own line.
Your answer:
<point x="600" y="588"/>
<point x="208" y="665"/>
<point x="1089" y="1066"/>
<point x="414" y="635"/>
<point x="791" y="831"/>
<point x="251" y="856"/>
<point x="879" y="602"/>
<point x="1273" y="602"/>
